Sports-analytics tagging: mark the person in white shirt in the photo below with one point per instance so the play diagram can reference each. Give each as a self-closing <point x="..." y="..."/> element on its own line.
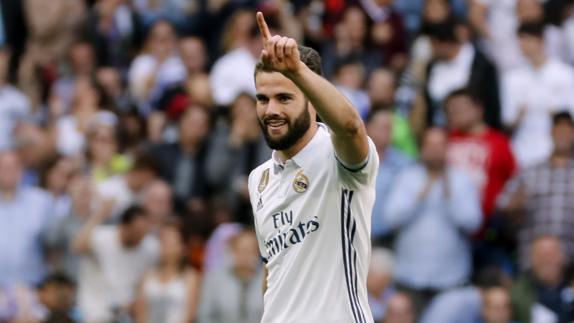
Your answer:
<point x="116" y="258"/>
<point x="312" y="201"/>
<point x="531" y="94"/>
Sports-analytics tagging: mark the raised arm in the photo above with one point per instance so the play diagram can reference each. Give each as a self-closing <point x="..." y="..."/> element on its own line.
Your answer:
<point x="347" y="129"/>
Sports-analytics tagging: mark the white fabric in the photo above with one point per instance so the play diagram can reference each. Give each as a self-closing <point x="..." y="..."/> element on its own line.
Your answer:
<point x="541" y="92"/>
<point x="231" y="75"/>
<point x="70" y="140"/>
<point x="167" y="301"/>
<point x="446" y="77"/>
<point x="109" y="276"/>
<point x="117" y="189"/>
<point x="316" y="242"/>
<point x="13" y="106"/>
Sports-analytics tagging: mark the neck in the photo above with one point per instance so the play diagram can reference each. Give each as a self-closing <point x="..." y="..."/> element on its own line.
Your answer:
<point x="244" y="273"/>
<point x="477" y="129"/>
<point x="538" y="60"/>
<point x="8" y="193"/>
<point x="188" y="147"/>
<point x="169" y="266"/>
<point x="299" y="145"/>
<point x="560" y="159"/>
<point x="455" y="51"/>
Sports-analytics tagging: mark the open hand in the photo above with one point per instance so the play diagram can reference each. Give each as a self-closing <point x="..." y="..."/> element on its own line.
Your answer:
<point x="279" y="53"/>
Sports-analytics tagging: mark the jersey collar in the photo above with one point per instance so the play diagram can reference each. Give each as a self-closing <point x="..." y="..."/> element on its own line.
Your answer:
<point x="307" y="155"/>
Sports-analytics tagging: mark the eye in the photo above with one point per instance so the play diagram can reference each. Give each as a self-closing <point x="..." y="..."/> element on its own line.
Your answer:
<point x="262" y="99"/>
<point x="283" y="98"/>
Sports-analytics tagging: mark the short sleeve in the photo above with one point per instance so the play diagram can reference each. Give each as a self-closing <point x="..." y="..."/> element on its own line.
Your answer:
<point x="363" y="173"/>
<point x="254" y="201"/>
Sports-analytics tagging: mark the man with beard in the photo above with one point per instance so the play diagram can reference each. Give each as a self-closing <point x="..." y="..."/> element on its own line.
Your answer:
<point x="313" y="199"/>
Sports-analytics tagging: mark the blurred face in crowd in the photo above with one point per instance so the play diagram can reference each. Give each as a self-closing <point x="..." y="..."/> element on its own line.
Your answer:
<point x="381" y="87"/>
<point x="436" y="10"/>
<point x="81" y="192"/>
<point x="194" y="125"/>
<point x="199" y="90"/>
<point x="34" y="145"/>
<point x="86" y="96"/>
<point x="283" y="111"/>
<point x="135" y="231"/>
<point x="193" y="54"/>
<point x="400" y="309"/>
<point x="444" y="50"/>
<point x="172" y="246"/>
<point x="244" y="251"/>
<point x="103" y="144"/>
<point x="354" y="24"/>
<point x="59" y="176"/>
<point x="530" y="45"/>
<point x="162" y="39"/>
<point x="110" y="80"/>
<point x="157" y="200"/>
<point x="10" y="171"/>
<point x="351" y="76"/>
<point x="82" y="58"/>
<point x="462" y="113"/>
<point x="496" y="306"/>
<point x="57" y="297"/>
<point x="547" y="260"/>
<point x="379" y="128"/>
<point x="243" y="110"/>
<point x="563" y="137"/>
<point x="529" y="10"/>
<point x="434" y="149"/>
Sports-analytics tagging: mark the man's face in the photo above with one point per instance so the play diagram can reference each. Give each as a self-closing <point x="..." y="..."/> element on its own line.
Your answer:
<point x="563" y="137"/>
<point x="194" y="125"/>
<point x="462" y="113"/>
<point x="379" y="129"/>
<point x="496" y="306"/>
<point x="442" y="50"/>
<point x="381" y="87"/>
<point x="547" y="260"/>
<point x="137" y="230"/>
<point x="530" y="45"/>
<point x="10" y="170"/>
<point x="282" y="109"/>
<point x="434" y="149"/>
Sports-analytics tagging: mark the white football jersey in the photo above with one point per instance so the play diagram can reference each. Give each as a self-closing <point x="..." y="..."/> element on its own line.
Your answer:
<point x="313" y="220"/>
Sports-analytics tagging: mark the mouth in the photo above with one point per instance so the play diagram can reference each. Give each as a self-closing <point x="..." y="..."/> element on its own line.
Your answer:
<point x="275" y="124"/>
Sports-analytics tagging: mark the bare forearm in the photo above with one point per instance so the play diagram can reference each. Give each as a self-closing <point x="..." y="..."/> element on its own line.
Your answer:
<point x="332" y="106"/>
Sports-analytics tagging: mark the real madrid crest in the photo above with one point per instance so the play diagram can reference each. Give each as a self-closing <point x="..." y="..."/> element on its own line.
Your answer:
<point x="263" y="181"/>
<point x="301" y="182"/>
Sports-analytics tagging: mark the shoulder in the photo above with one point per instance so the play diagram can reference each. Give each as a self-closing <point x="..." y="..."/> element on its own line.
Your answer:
<point x="258" y="173"/>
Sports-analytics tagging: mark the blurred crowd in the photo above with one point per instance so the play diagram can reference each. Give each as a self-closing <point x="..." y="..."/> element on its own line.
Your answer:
<point x="128" y="130"/>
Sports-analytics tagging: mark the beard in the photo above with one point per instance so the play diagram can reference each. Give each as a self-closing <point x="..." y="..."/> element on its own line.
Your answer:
<point x="295" y="130"/>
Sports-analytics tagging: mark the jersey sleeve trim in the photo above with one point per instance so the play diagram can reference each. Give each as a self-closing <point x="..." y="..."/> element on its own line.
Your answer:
<point x="353" y="168"/>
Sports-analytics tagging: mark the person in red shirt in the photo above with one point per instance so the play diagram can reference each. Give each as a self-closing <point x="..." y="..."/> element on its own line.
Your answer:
<point x="482" y="151"/>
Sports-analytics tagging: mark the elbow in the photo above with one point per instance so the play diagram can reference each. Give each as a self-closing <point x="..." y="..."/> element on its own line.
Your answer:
<point x="353" y="127"/>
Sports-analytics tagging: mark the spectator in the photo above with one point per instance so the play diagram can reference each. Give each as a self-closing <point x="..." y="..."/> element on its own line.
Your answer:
<point x="432" y="245"/>
<point x="538" y="198"/>
<point x="25" y="214"/>
<point x="113" y="28"/>
<point x="56" y="299"/>
<point x="82" y="63"/>
<point x="62" y="231"/>
<point x="55" y="181"/>
<point x="155" y="69"/>
<point x="544" y="284"/>
<point x="182" y="163"/>
<point x="236" y="149"/>
<point x="157" y="200"/>
<point x="349" y="78"/>
<point x="496" y="306"/>
<point x="531" y="94"/>
<point x="388" y="32"/>
<point x="457" y="64"/>
<point x="480" y="150"/>
<point x="381" y="88"/>
<point x="350" y="41"/>
<point x="232" y="73"/>
<point x="379" y="282"/>
<point x="117" y="256"/>
<point x="193" y="55"/>
<point x="52" y="28"/>
<point x="233" y="294"/>
<point x="124" y="189"/>
<point x="103" y="157"/>
<point x="114" y="89"/>
<point x="391" y="163"/>
<point x="169" y="293"/>
<point x="71" y="129"/>
<point x="14" y="106"/>
<point x="400" y="309"/>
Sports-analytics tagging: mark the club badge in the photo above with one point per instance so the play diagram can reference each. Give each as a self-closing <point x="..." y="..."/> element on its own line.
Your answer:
<point x="301" y="182"/>
<point x="263" y="181"/>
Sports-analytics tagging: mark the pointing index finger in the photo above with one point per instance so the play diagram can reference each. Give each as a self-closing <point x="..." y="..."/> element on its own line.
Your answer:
<point x="263" y="29"/>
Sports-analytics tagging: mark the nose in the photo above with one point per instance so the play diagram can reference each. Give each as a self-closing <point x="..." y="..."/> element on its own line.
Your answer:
<point x="273" y="108"/>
